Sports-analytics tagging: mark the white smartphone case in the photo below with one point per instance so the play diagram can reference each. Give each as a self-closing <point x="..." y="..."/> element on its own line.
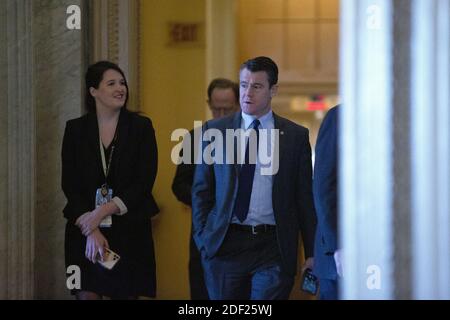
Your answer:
<point x="110" y="258"/>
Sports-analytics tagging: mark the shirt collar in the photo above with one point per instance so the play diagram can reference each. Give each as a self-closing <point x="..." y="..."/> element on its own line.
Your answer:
<point x="265" y="120"/>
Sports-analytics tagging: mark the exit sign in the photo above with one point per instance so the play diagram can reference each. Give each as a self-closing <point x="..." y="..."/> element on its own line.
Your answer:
<point x="316" y="105"/>
<point x="185" y="33"/>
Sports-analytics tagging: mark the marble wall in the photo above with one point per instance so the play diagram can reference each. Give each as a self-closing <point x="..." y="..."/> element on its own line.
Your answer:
<point x="18" y="146"/>
<point x="3" y="146"/>
<point x="58" y="75"/>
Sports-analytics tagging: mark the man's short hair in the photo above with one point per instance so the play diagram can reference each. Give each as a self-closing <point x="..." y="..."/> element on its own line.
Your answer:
<point x="222" y="83"/>
<point x="263" y="64"/>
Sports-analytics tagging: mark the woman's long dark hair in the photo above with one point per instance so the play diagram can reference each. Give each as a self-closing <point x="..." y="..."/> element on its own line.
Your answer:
<point x="94" y="76"/>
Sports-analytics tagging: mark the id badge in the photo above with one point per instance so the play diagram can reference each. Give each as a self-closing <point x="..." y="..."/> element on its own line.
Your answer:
<point x="103" y="196"/>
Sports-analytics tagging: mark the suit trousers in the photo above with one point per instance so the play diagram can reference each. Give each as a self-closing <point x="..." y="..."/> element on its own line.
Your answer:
<point x="247" y="266"/>
<point x="196" y="276"/>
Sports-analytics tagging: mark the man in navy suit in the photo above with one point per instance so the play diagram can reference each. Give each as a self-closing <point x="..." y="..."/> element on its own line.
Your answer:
<point x="327" y="254"/>
<point x="247" y="222"/>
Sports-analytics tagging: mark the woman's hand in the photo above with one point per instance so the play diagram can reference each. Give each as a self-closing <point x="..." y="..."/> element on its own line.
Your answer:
<point x="90" y="221"/>
<point x="95" y="243"/>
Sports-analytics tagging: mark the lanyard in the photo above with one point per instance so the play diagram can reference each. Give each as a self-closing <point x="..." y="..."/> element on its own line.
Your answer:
<point x="102" y="152"/>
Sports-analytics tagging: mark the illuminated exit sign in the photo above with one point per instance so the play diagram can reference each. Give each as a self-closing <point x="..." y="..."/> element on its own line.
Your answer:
<point x="316" y="105"/>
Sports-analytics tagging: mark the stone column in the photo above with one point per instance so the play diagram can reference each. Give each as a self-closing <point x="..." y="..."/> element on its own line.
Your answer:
<point x="59" y="67"/>
<point x="431" y="148"/>
<point x="3" y="154"/>
<point x="18" y="145"/>
<point x="366" y="181"/>
<point x="401" y="151"/>
<point x="221" y="40"/>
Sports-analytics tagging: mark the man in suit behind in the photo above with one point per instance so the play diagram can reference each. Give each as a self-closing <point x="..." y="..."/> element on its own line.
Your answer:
<point x="327" y="264"/>
<point x="223" y="99"/>
<point x="246" y="224"/>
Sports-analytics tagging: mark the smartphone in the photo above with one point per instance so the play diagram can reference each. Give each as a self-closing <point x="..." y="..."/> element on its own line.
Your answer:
<point x="309" y="282"/>
<point x="110" y="259"/>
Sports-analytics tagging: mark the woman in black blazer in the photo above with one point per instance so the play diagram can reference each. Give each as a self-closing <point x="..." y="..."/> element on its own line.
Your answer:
<point x="109" y="165"/>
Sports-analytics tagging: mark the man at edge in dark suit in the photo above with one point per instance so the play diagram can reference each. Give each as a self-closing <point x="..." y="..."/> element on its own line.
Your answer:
<point x="327" y="254"/>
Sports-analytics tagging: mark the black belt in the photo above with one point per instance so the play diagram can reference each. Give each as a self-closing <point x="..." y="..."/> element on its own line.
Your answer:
<point x="260" y="228"/>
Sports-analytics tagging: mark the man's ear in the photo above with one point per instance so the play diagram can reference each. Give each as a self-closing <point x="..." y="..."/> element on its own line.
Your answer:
<point x="92" y="91"/>
<point x="274" y="90"/>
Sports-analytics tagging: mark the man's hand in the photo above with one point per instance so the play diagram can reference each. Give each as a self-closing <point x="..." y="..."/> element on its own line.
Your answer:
<point x="95" y="243"/>
<point x="309" y="264"/>
<point x="338" y="259"/>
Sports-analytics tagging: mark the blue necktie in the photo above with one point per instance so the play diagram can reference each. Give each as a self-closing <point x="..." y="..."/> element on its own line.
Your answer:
<point x="246" y="176"/>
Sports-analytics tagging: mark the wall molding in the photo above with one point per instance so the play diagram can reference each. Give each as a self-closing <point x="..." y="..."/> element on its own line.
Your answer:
<point x="115" y="36"/>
